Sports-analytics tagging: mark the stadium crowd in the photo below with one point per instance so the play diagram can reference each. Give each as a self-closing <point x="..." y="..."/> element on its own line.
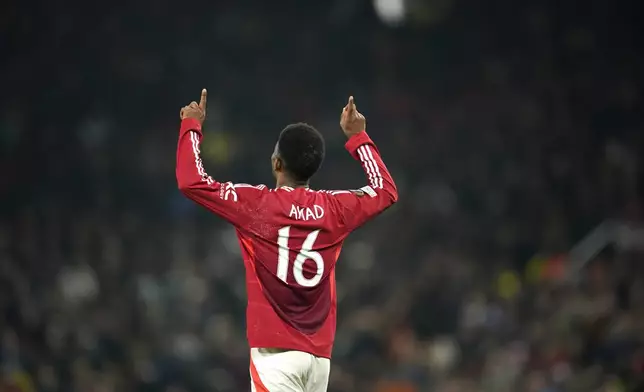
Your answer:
<point x="511" y="128"/>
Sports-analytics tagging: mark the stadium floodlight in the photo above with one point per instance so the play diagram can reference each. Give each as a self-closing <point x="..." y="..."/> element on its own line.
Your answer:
<point x="391" y="12"/>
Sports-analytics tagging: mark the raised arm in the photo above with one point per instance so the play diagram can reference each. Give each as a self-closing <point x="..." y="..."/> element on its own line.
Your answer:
<point x="233" y="202"/>
<point x="358" y="206"/>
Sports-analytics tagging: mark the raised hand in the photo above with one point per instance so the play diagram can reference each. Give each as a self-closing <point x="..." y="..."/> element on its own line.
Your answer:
<point x="196" y="110"/>
<point x="351" y="121"/>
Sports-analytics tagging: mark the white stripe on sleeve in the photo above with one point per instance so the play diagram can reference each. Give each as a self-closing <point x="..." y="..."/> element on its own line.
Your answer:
<point x="378" y="175"/>
<point x="368" y="168"/>
<point x="372" y="168"/>
<point x="198" y="162"/>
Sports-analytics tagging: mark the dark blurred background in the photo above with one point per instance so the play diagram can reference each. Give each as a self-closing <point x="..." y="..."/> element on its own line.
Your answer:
<point x="513" y="129"/>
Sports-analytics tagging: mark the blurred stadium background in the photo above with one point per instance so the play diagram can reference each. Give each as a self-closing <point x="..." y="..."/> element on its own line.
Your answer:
<point x="513" y="128"/>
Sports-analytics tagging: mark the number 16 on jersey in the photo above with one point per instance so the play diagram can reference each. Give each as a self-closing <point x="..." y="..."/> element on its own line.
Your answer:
<point x="305" y="253"/>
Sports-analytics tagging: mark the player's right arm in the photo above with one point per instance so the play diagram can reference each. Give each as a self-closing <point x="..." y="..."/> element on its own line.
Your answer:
<point x="357" y="207"/>
<point x="233" y="202"/>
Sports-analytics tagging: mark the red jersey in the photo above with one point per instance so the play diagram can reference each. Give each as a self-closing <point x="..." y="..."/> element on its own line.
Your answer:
<point x="290" y="240"/>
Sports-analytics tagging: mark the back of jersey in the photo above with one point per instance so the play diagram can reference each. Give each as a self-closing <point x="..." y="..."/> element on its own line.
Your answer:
<point x="301" y="236"/>
<point x="290" y="241"/>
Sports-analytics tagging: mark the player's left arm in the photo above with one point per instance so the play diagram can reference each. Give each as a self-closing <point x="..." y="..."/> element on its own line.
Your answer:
<point x="358" y="206"/>
<point x="233" y="202"/>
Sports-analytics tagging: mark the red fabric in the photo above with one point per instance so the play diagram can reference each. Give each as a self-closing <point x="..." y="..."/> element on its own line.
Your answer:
<point x="298" y="231"/>
<point x="254" y="377"/>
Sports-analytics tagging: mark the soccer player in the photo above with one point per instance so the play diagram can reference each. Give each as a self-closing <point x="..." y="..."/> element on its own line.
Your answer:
<point x="290" y="239"/>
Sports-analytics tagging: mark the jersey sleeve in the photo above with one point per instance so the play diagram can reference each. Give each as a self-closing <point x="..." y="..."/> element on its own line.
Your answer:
<point x="233" y="202"/>
<point x="358" y="206"/>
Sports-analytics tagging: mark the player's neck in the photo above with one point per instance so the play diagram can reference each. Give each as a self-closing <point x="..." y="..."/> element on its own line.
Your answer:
<point x="292" y="184"/>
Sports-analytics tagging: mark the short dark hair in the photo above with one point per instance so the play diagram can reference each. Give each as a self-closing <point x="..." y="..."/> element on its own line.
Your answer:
<point x="301" y="148"/>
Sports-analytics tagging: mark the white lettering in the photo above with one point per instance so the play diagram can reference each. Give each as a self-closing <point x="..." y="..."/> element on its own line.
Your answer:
<point x="306" y="213"/>
<point x="319" y="211"/>
<point x="306" y="253"/>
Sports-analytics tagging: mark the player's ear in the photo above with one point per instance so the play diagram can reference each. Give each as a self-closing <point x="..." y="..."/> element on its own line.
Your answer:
<point x="278" y="165"/>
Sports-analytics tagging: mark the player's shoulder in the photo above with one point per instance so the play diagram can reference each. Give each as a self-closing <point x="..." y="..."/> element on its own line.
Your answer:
<point x="331" y="194"/>
<point x="325" y="193"/>
<point x="361" y="192"/>
<point x="341" y="199"/>
<point x="324" y="197"/>
<point x="241" y="185"/>
<point x="232" y="191"/>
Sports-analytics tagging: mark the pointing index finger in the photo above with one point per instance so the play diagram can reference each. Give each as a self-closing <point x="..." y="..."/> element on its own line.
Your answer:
<point x="351" y="105"/>
<point x="204" y="99"/>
